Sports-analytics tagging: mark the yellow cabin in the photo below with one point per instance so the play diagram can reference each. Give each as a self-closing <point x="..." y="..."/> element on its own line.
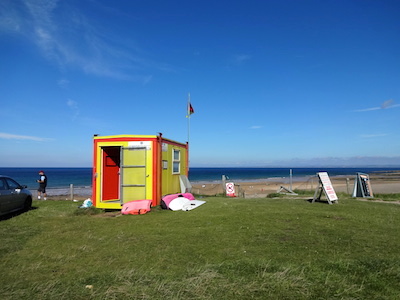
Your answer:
<point x="137" y="167"/>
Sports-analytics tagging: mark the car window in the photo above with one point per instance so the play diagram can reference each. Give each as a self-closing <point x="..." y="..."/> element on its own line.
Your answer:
<point x="12" y="184"/>
<point x="3" y="185"/>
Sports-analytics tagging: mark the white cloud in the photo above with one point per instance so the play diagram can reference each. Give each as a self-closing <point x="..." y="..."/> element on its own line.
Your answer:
<point x="389" y="104"/>
<point x="256" y="127"/>
<point x="74" y="107"/>
<point x="238" y="59"/>
<point x="72" y="103"/>
<point x="9" y="136"/>
<point x="9" y="19"/>
<point x="368" y="109"/>
<point x="63" y="83"/>
<point x="68" y="37"/>
<point x="385" y="105"/>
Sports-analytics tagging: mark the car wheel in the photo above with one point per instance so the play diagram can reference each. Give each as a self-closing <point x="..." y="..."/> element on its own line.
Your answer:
<point x="28" y="204"/>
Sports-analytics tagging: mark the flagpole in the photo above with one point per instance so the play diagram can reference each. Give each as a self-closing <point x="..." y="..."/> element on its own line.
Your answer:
<point x="189" y="112"/>
<point x="188" y="133"/>
<point x="188" y="116"/>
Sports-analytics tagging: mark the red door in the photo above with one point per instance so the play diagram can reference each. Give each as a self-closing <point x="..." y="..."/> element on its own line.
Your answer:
<point x="111" y="173"/>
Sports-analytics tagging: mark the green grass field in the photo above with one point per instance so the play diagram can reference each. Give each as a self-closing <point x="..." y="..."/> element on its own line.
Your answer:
<point x="225" y="249"/>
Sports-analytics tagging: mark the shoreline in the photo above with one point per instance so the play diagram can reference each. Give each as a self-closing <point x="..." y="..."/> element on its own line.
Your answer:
<point x="381" y="182"/>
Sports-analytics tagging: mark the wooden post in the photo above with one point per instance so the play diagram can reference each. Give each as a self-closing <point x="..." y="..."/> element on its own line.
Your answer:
<point x="71" y="191"/>
<point x="224" y="184"/>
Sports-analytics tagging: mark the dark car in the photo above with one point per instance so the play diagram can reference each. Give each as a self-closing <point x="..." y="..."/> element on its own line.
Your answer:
<point x="13" y="196"/>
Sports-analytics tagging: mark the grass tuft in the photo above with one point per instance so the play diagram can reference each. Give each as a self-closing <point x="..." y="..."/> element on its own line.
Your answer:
<point x="88" y="211"/>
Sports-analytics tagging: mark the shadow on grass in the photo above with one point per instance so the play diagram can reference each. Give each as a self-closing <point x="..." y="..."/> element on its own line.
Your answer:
<point x="15" y="214"/>
<point x="318" y="201"/>
<point x="16" y="232"/>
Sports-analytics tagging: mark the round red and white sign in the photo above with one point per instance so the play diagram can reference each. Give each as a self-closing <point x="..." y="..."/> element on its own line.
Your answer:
<point x="230" y="189"/>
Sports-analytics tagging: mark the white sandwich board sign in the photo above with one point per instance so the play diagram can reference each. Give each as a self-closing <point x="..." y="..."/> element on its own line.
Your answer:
<point x="362" y="186"/>
<point x="325" y="186"/>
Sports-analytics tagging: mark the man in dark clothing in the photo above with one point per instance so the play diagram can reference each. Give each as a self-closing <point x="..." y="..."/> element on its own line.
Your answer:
<point x="42" y="185"/>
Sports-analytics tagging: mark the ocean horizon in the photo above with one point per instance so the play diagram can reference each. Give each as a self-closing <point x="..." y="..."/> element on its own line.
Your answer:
<point x="62" y="178"/>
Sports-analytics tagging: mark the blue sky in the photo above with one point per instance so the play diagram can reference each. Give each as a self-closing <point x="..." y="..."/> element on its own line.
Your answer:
<point x="273" y="83"/>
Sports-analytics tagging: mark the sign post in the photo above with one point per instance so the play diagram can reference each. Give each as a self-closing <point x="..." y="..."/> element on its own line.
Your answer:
<point x="325" y="186"/>
<point x="362" y="186"/>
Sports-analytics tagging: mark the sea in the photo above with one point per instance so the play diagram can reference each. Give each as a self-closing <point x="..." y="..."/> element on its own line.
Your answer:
<point x="61" y="179"/>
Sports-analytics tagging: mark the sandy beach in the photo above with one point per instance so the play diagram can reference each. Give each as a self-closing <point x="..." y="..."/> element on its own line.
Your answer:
<point x="385" y="183"/>
<point x="382" y="183"/>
